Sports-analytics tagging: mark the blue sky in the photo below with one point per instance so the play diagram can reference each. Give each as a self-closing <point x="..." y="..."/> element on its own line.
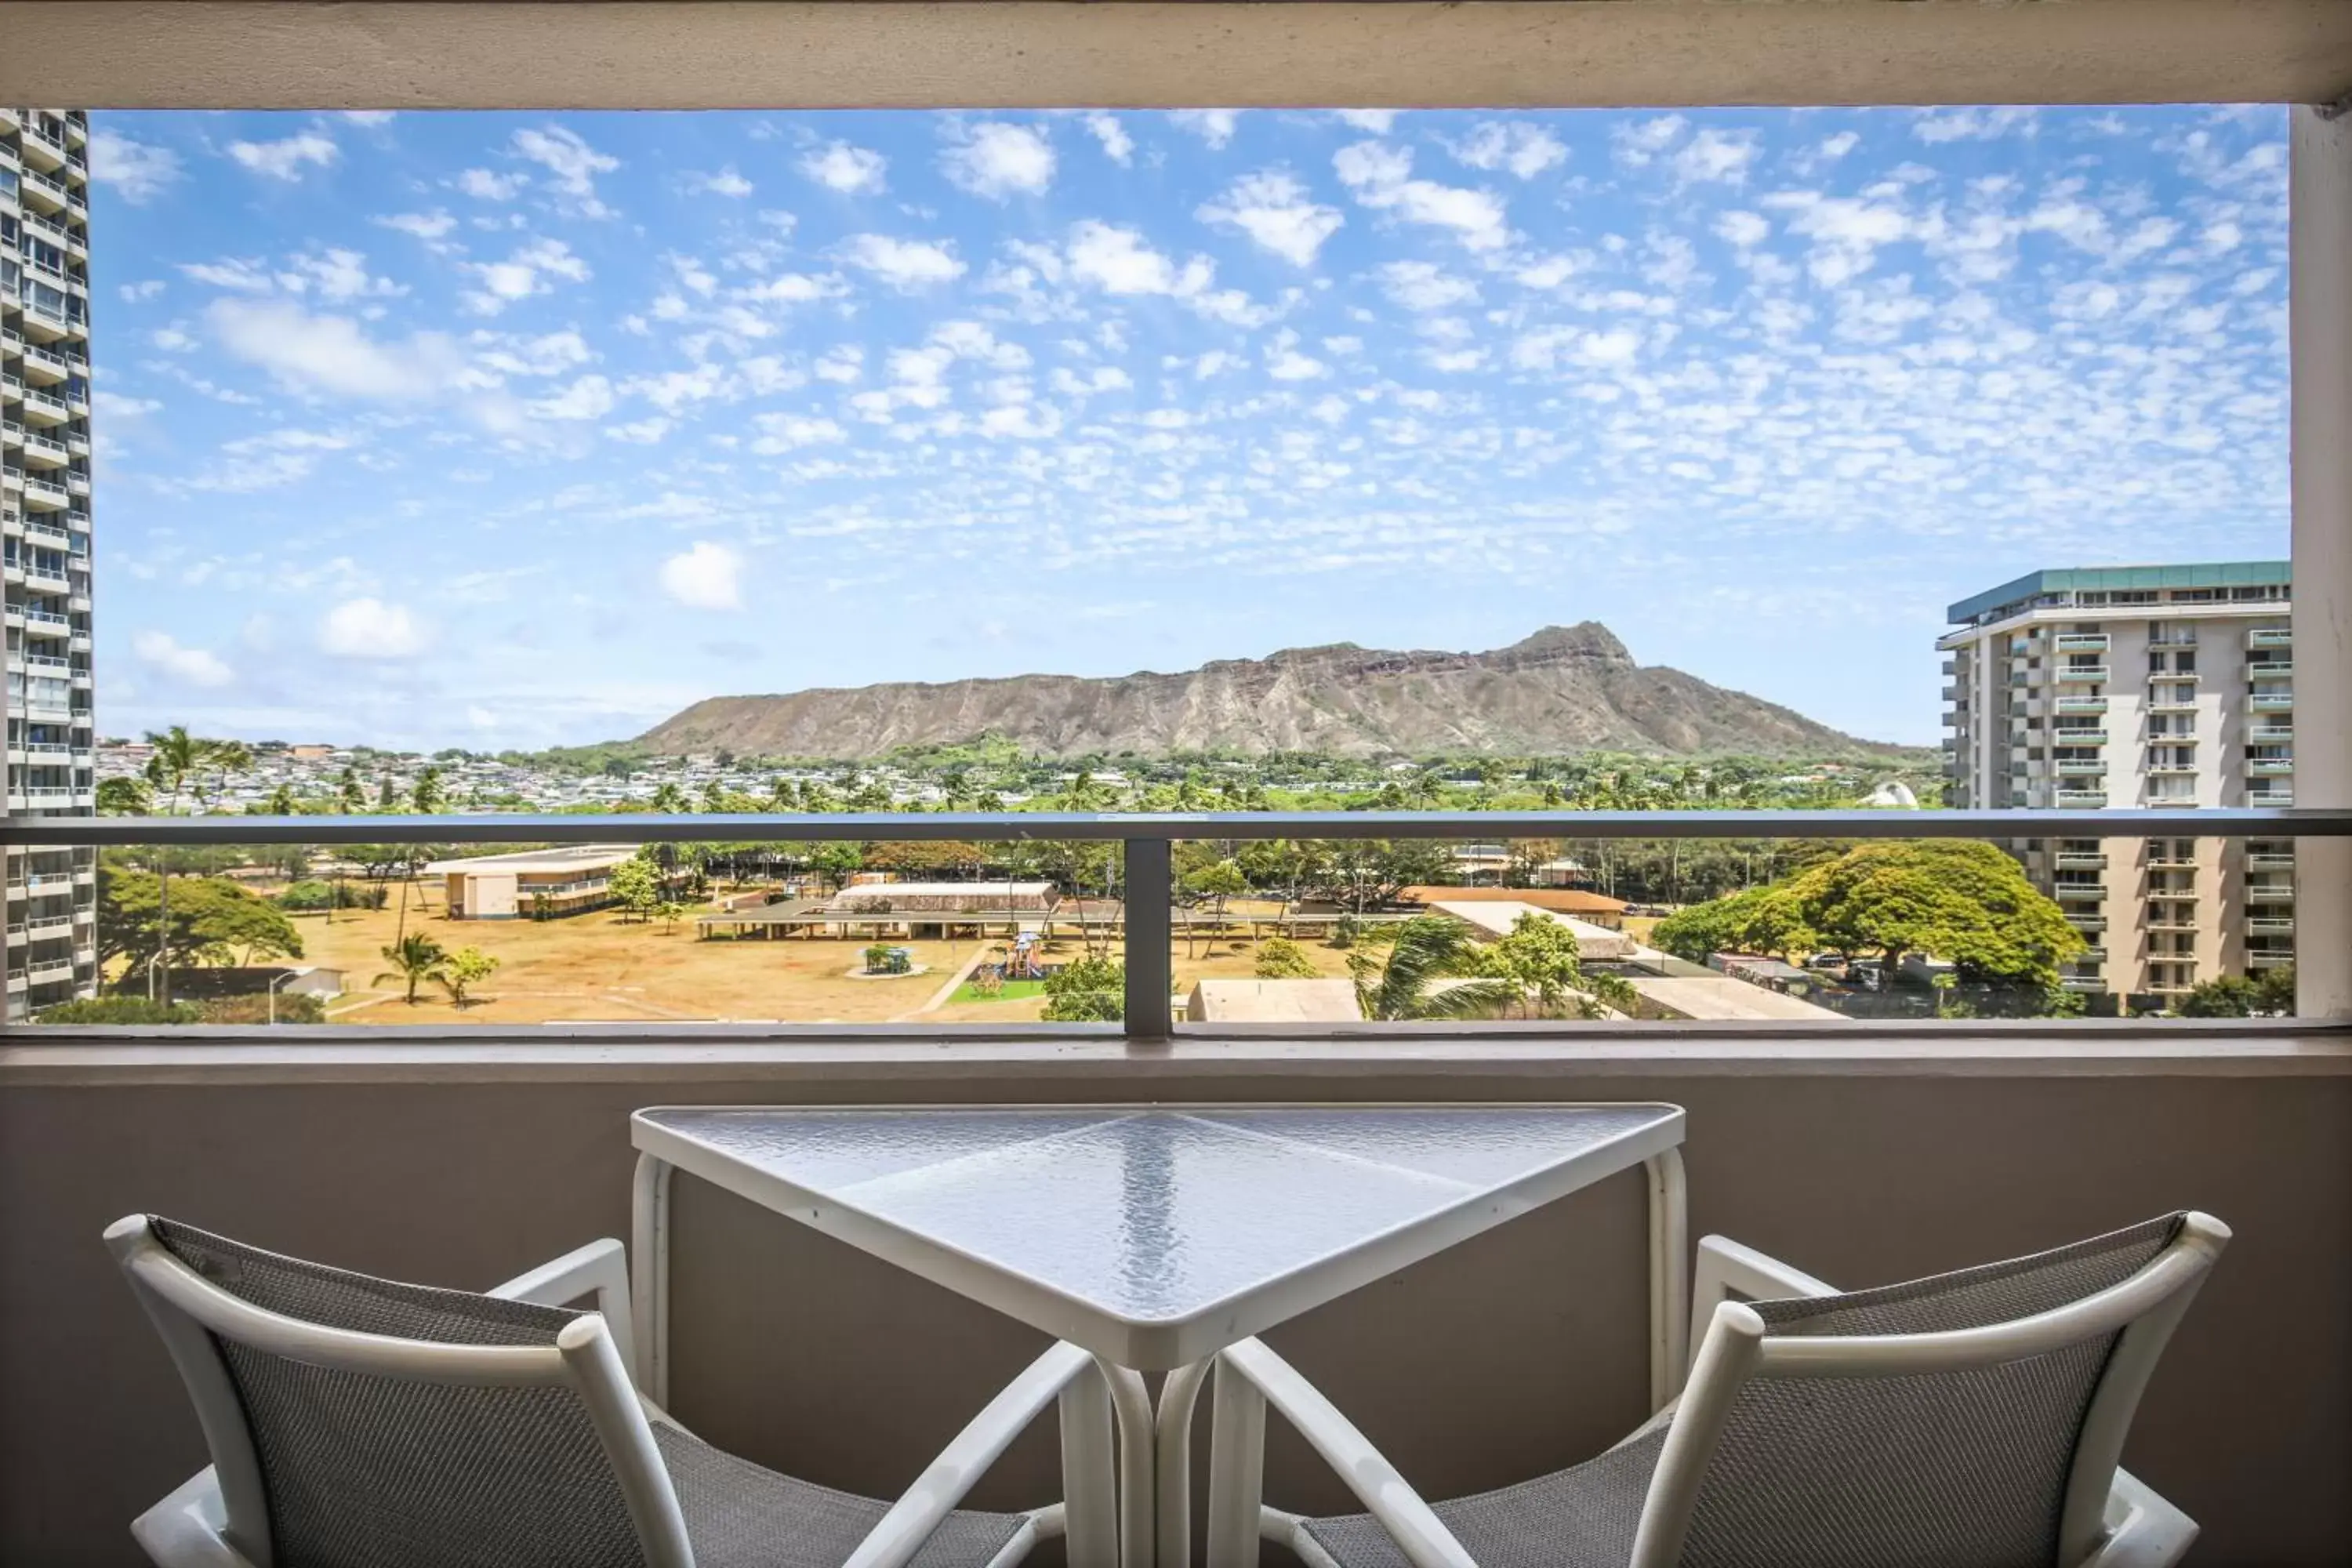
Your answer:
<point x="513" y="429"/>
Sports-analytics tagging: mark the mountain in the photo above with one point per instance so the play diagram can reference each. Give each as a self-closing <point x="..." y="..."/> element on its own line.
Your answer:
<point x="1566" y="688"/>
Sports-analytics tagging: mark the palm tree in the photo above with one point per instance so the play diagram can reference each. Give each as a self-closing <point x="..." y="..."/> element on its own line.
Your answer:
<point x="415" y="958"/>
<point x="282" y="801"/>
<point x="1424" y="951"/>
<point x="176" y="759"/>
<point x="668" y="799"/>
<point x="350" y="798"/>
<point x="428" y="794"/>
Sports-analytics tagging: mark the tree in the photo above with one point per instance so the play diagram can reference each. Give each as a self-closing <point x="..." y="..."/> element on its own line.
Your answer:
<point x="1615" y="992"/>
<point x="636" y="888"/>
<point x="467" y="967"/>
<point x="2241" y="996"/>
<point x="1216" y="882"/>
<point x="668" y="798"/>
<point x="415" y="958"/>
<point x="209" y="920"/>
<point x="124" y="798"/>
<point x="177" y="762"/>
<point x="281" y="802"/>
<point x="1761" y="920"/>
<point x="1282" y="959"/>
<point x="428" y="795"/>
<point x="1540" y="959"/>
<point x="668" y="911"/>
<point x="1422" y="952"/>
<point x="1087" y="990"/>
<point x="350" y="798"/>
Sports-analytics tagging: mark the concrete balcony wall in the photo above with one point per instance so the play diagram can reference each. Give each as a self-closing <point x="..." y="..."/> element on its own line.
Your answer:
<point x="1518" y="1353"/>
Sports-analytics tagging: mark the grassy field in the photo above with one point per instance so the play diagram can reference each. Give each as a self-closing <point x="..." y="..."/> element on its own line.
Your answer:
<point x="600" y="968"/>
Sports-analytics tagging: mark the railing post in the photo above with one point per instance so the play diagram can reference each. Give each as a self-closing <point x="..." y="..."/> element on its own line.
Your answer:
<point x="2319" y="337"/>
<point x="1148" y="976"/>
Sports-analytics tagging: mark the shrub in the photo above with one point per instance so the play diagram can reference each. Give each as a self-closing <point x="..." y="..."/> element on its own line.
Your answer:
<point x="1086" y="991"/>
<point x="1345" y="932"/>
<point x="121" y="1010"/>
<point x="253" y="1008"/>
<point x="1283" y="959"/>
<point x="314" y="893"/>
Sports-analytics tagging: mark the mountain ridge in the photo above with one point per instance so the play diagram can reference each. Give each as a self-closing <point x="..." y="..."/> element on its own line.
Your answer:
<point x="1562" y="690"/>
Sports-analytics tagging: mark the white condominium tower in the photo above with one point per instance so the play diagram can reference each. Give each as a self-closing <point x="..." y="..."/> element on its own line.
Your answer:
<point x="2136" y="686"/>
<point x="51" y="943"/>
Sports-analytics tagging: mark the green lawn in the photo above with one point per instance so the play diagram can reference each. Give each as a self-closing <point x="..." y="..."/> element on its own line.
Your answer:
<point x="1014" y="991"/>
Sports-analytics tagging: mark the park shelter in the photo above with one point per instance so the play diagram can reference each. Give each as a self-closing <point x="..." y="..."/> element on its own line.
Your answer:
<point x="532" y="883"/>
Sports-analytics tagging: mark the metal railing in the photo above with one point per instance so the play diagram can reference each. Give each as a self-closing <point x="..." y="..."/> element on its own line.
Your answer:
<point x="1146" y="838"/>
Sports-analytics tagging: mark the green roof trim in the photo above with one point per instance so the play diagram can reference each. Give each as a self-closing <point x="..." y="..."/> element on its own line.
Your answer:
<point x="2112" y="579"/>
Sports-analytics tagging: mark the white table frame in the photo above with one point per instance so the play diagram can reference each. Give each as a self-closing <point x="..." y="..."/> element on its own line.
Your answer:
<point x="1154" y="1458"/>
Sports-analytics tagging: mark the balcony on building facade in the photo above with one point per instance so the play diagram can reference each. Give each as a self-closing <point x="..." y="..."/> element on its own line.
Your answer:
<point x="2270" y="669"/>
<point x="2260" y="734"/>
<point x="2170" y="702"/>
<point x="2086" y="919"/>
<point x="2079" y="860"/>
<point x="2066" y="704"/>
<point x="2064" y="737"/>
<point x="2270" y="636"/>
<point x="2079" y="642"/>
<point x="2268" y="958"/>
<point x="2080" y="797"/>
<point x="2270" y="925"/>
<point x="2079" y="767"/>
<point x="2080" y="674"/>
<point x="2270" y="767"/>
<point x="2271" y="702"/>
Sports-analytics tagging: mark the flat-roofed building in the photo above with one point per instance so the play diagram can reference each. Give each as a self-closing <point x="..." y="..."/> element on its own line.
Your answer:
<point x="2112" y="687"/>
<point x="532" y="884"/>
<point x="1325" y="1001"/>
<point x="1593" y="908"/>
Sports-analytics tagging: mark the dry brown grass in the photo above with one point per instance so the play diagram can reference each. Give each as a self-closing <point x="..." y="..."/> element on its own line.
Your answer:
<point x="598" y="967"/>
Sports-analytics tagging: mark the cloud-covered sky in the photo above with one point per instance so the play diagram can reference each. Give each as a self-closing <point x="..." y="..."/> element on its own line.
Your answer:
<point x="510" y="429"/>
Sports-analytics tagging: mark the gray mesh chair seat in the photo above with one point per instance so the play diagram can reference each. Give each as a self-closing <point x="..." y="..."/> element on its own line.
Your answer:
<point x="1582" y="1517"/>
<point x="741" y="1515"/>
<point x="364" y="1422"/>
<point x="1966" y="1420"/>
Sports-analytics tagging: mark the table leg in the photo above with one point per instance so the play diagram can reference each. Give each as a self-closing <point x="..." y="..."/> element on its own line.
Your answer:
<point x="1669" y="1275"/>
<point x="1173" y="1484"/>
<point x="649" y="1275"/>
<point x="1131" y="1403"/>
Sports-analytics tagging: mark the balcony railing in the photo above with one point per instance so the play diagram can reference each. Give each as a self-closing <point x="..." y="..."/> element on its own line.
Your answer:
<point x="2079" y="642"/>
<point x="2079" y="705"/>
<point x="2271" y="702"/>
<point x="2270" y="636"/>
<point x="2270" y="669"/>
<point x="1146" y="840"/>
<point x="2080" y="674"/>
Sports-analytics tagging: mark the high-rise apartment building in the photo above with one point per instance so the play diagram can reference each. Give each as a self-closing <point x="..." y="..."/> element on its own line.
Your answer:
<point x="2136" y="686"/>
<point x="51" y="943"/>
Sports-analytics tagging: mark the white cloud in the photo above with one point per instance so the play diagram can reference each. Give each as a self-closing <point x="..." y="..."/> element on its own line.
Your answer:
<point x="1640" y="143"/>
<point x="1380" y="176"/>
<point x="336" y="274"/>
<point x="286" y="158"/>
<point x="370" y="117"/>
<point x="138" y="293"/>
<point x="243" y="276"/>
<point x="726" y="182"/>
<point x="705" y="577"/>
<point x="589" y="398"/>
<point x="1744" y="229"/>
<point x="845" y="363"/>
<point x="845" y="168"/>
<point x="904" y="264"/>
<point x="530" y="269"/>
<point x="1716" y="157"/>
<point x="1118" y="261"/>
<point x="369" y="628"/>
<point x="995" y="159"/>
<point x="1214" y="126"/>
<point x="574" y="165"/>
<point x="189" y="665"/>
<point x="114" y="405"/>
<point x="795" y="289"/>
<point x="1376" y="120"/>
<point x="430" y="227"/>
<point x="790" y="432"/>
<point x="332" y="354"/>
<point x="1117" y="144"/>
<point x="1524" y="149"/>
<point x="640" y="432"/>
<point x="549" y="353"/>
<point x="138" y="170"/>
<point x="1277" y="212"/>
<point x="1424" y="286"/>
<point x="483" y="185"/>
<point x="1285" y="362"/>
<point x="1986" y="124"/>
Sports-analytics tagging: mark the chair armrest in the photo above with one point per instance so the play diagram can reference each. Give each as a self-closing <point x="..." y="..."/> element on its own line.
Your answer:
<point x="1418" y="1533"/>
<point x="602" y="1267"/>
<point x="2143" y="1531"/>
<point x="900" y="1534"/>
<point x="1725" y="1267"/>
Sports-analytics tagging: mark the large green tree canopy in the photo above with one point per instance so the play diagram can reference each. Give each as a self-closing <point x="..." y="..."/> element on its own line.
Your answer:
<point x="214" y="921"/>
<point x="1956" y="899"/>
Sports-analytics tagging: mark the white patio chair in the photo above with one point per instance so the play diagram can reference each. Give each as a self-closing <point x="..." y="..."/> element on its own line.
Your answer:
<point x="367" y="1423"/>
<point x="1969" y="1420"/>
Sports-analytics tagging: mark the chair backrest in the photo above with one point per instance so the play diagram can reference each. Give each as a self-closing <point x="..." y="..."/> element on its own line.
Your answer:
<point x="1972" y="1420"/>
<point x="361" y="1422"/>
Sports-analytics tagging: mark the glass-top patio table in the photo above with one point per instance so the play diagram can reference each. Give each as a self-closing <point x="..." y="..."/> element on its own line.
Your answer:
<point x="1157" y="1235"/>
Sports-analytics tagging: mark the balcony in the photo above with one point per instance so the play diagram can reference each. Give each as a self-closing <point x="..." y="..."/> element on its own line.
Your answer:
<point x="2080" y="768"/>
<point x="2166" y="702"/>
<point x="2079" y="642"/>
<point x="2268" y="959"/>
<point x="2178" y="637"/>
<point x="2270" y="860"/>
<point x="2170" y="920"/>
<point x="2063" y="704"/>
<point x="2271" y="702"/>
<point x="2270" y="925"/>
<point x="2081" y="798"/>
<point x="2078" y="737"/>
<point x="2261" y="734"/>
<point x="2270" y="767"/>
<point x="2084" y="919"/>
<point x="2080" y="675"/>
<point x="1954" y="693"/>
<point x="2270" y="669"/>
<point x="2079" y="860"/>
<point x="2270" y="636"/>
<point x="2273" y="800"/>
